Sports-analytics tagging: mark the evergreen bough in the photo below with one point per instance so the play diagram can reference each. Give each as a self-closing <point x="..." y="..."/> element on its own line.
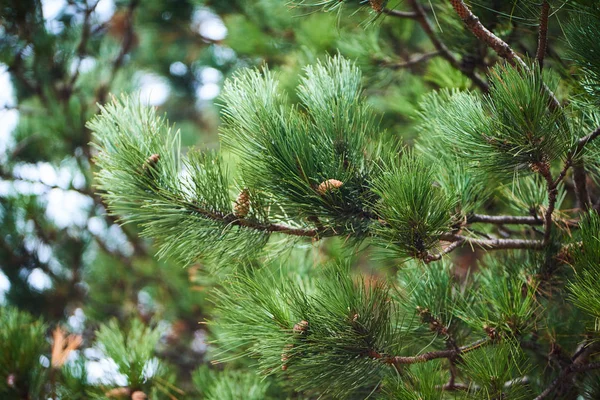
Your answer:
<point x="317" y="165"/>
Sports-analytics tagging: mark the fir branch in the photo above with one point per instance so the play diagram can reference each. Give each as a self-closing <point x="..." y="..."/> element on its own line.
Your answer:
<point x="423" y="20"/>
<point x="502" y="48"/>
<point x="543" y="34"/>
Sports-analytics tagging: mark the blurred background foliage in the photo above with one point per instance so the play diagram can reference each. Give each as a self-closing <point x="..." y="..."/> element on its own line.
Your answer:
<point x="64" y="260"/>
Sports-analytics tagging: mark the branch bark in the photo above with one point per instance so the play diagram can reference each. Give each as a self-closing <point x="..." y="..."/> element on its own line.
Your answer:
<point x="501" y="48"/>
<point x="504" y="219"/>
<point x="397" y="361"/>
<point x="543" y="34"/>
<point x="421" y="18"/>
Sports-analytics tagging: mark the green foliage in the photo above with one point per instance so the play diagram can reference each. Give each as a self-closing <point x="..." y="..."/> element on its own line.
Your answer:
<point x="415" y="211"/>
<point x="418" y="382"/>
<point x="288" y="152"/>
<point x="186" y="207"/>
<point x="491" y="367"/>
<point x="502" y="301"/>
<point x="432" y="292"/>
<point x="23" y="343"/>
<point x="133" y="352"/>
<point x="582" y="37"/>
<point x="583" y="286"/>
<point x="230" y="385"/>
<point x="510" y="130"/>
<point x="327" y="335"/>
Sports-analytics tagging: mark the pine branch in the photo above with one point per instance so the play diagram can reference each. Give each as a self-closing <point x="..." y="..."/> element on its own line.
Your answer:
<point x="493" y="244"/>
<point x="502" y="48"/>
<point x="551" y="187"/>
<point x="81" y="46"/>
<point x="504" y="219"/>
<point x="426" y="25"/>
<point x="413" y="61"/>
<point x="232" y="220"/>
<point x="400" y="14"/>
<point x="397" y="361"/>
<point x="543" y="34"/>
<point x="565" y="374"/>
<point x="579" y="175"/>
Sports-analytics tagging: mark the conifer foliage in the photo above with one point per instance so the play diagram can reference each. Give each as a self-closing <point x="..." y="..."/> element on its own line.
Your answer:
<point x="316" y="165"/>
<point x="451" y="255"/>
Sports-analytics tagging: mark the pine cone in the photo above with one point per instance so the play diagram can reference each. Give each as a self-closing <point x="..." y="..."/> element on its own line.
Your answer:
<point x="138" y="395"/>
<point x="242" y="204"/>
<point x="151" y="161"/>
<point x="301" y="327"/>
<point x="377" y="5"/>
<point x="329" y="185"/>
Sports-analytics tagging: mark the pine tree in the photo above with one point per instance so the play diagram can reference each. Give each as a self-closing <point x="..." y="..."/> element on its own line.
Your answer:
<point x="415" y="217"/>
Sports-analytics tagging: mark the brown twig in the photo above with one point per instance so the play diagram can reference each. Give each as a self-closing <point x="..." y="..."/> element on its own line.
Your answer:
<point x="81" y="46"/>
<point x="543" y="34"/>
<point x="400" y="14"/>
<point x="504" y="219"/>
<point x="413" y="61"/>
<point x="493" y="244"/>
<point x="421" y="18"/>
<point x="501" y="48"/>
<point x="551" y="187"/>
<point x="397" y="361"/>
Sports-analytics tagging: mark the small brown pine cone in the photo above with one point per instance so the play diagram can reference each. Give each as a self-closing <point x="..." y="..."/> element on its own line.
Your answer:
<point x="138" y="395"/>
<point x="301" y="327"/>
<point x="242" y="204"/>
<point x="377" y="5"/>
<point x="151" y="161"/>
<point x="329" y="185"/>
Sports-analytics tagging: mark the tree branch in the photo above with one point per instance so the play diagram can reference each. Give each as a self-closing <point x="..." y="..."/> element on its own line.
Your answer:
<point x="544" y="170"/>
<point x="493" y="244"/>
<point x="397" y="361"/>
<point x="414" y="61"/>
<point x="543" y="34"/>
<point x="565" y="374"/>
<point x="421" y="18"/>
<point x="504" y="219"/>
<point x="501" y="48"/>
<point x="400" y="14"/>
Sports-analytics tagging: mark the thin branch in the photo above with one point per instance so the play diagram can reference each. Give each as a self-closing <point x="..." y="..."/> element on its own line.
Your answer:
<point x="400" y="14"/>
<point x="580" y="182"/>
<point x="413" y="61"/>
<point x="426" y="25"/>
<point x="565" y="374"/>
<point x="501" y="48"/>
<point x="543" y="34"/>
<point x="397" y="361"/>
<point x="586" y="139"/>
<point x="232" y="220"/>
<point x="544" y="170"/>
<point x="504" y="219"/>
<point x="493" y="244"/>
<point x="81" y="46"/>
<point x="126" y="45"/>
<point x="449" y="249"/>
